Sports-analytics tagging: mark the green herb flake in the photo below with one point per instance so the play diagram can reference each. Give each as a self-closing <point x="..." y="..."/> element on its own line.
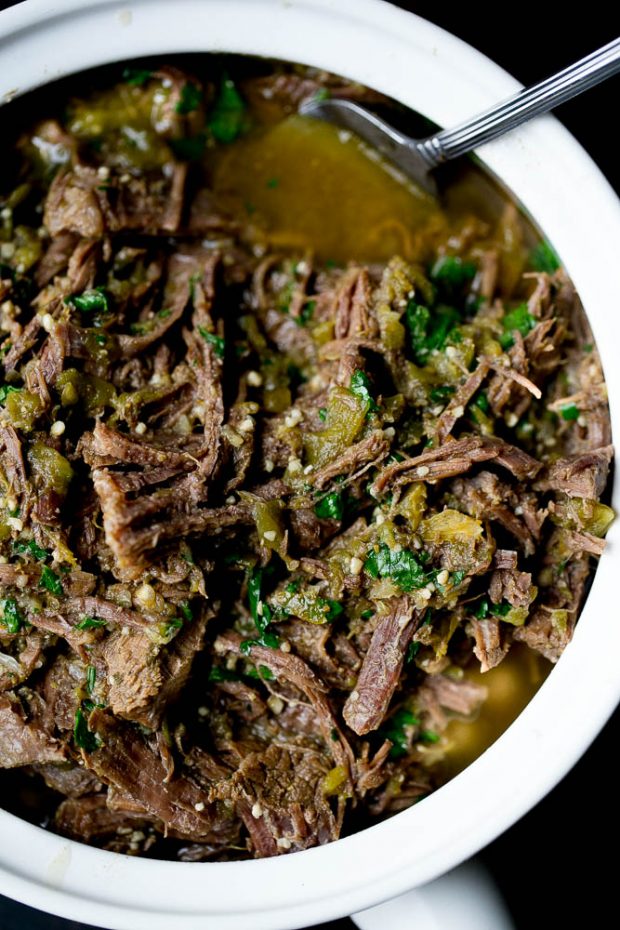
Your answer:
<point x="570" y="412"/>
<point x="5" y="390"/>
<point x="96" y="300"/>
<point x="307" y="313"/>
<point x="481" y="401"/>
<point x="360" y="386"/>
<point x="90" y="623"/>
<point x="323" y="414"/>
<point x="272" y="183"/>
<point x="323" y="93"/>
<point x="396" y="731"/>
<point x="429" y="736"/>
<point x="450" y="273"/>
<point x="186" y="610"/>
<point x="218" y="673"/>
<point x="402" y="566"/>
<point x="137" y="76"/>
<point x="12" y="620"/>
<point x="261" y="613"/>
<point x="50" y="581"/>
<point x="189" y="100"/>
<point x="519" y="320"/>
<point x="84" y="738"/>
<point x="189" y="148"/>
<point x="213" y="339"/>
<point x="261" y="672"/>
<point x="331" y="506"/>
<point x="441" y="394"/>
<point x="228" y="117"/>
<point x="429" y="331"/>
<point x="544" y="258"/>
<point x="164" y="313"/>
<point x="367" y="614"/>
<point x="91" y="678"/>
<point x="412" y="651"/>
<point x="30" y="548"/>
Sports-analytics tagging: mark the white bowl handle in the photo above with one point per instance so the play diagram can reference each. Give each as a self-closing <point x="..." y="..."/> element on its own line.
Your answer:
<point x="464" y="899"/>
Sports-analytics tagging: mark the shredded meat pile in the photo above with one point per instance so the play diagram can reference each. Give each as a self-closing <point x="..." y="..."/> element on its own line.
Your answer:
<point x="261" y="515"/>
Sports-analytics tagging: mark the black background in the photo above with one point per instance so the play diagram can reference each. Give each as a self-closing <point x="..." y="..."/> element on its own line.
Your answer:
<point x="558" y="862"/>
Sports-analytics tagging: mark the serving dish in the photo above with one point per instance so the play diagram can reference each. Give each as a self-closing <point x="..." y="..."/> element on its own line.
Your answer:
<point x="432" y="72"/>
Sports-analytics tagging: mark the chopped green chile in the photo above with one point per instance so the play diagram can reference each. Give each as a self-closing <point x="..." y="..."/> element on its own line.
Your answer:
<point x="276" y="481"/>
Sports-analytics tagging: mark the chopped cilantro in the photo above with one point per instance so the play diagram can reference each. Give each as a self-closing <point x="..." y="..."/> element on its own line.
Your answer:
<point x="272" y="183"/>
<point x="218" y="673"/>
<point x="137" y="76"/>
<point x="84" y="738"/>
<point x="395" y="731"/>
<point x="323" y="414"/>
<point x="486" y="607"/>
<point x="450" y="273"/>
<point x="429" y="331"/>
<point x="307" y="312"/>
<point x="441" y="394"/>
<point x="91" y="678"/>
<point x="96" y="300"/>
<point x="5" y="390"/>
<point x="367" y="614"/>
<point x="164" y="313"/>
<point x="189" y="100"/>
<point x="30" y="547"/>
<point x="12" y="619"/>
<point x="50" y="581"/>
<point x="228" y="118"/>
<point x="457" y="577"/>
<point x="570" y="412"/>
<point x="335" y="609"/>
<point x="481" y="401"/>
<point x="323" y="93"/>
<point x="331" y="506"/>
<point x="588" y="347"/>
<point x="261" y="613"/>
<point x="261" y="672"/>
<point x="90" y="623"/>
<point x="429" y="736"/>
<point x="170" y="626"/>
<point x="186" y="610"/>
<point x="544" y="258"/>
<point x="412" y="651"/>
<point x="519" y="319"/>
<point x="213" y="339"/>
<point x="189" y="148"/>
<point x="401" y="566"/>
<point x="360" y="386"/>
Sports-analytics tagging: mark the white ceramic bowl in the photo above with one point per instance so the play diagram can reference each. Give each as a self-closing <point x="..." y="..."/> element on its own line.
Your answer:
<point x="437" y="74"/>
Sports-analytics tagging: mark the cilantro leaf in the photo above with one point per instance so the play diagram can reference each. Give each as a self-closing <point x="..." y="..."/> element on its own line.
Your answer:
<point x="137" y="76"/>
<point x="401" y="566"/>
<point x="451" y="274"/>
<point x="189" y="148"/>
<point x="5" y="390"/>
<point x="519" y="319"/>
<point x="441" y="394"/>
<point x="570" y="412"/>
<point x="12" y="619"/>
<point x="213" y="339"/>
<point x="544" y="258"/>
<point x="228" y="117"/>
<point x="96" y="300"/>
<point x="395" y="731"/>
<point x="428" y="331"/>
<point x="90" y="623"/>
<point x="189" y="100"/>
<point x="331" y="506"/>
<point x="84" y="738"/>
<point x="31" y="547"/>
<point x="360" y="386"/>
<point x="51" y="581"/>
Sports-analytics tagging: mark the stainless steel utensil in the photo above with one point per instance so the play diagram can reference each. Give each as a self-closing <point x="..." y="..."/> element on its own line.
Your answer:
<point x="418" y="157"/>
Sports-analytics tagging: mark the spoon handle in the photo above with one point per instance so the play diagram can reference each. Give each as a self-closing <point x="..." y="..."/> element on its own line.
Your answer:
<point x="450" y="143"/>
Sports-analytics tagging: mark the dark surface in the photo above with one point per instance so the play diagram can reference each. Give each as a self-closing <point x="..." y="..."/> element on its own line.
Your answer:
<point x="551" y="865"/>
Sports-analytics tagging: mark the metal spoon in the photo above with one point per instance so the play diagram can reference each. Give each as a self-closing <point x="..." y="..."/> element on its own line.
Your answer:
<point x="417" y="157"/>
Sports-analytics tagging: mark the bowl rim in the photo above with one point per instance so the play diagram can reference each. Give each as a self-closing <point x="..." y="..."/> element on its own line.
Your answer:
<point x="430" y="70"/>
